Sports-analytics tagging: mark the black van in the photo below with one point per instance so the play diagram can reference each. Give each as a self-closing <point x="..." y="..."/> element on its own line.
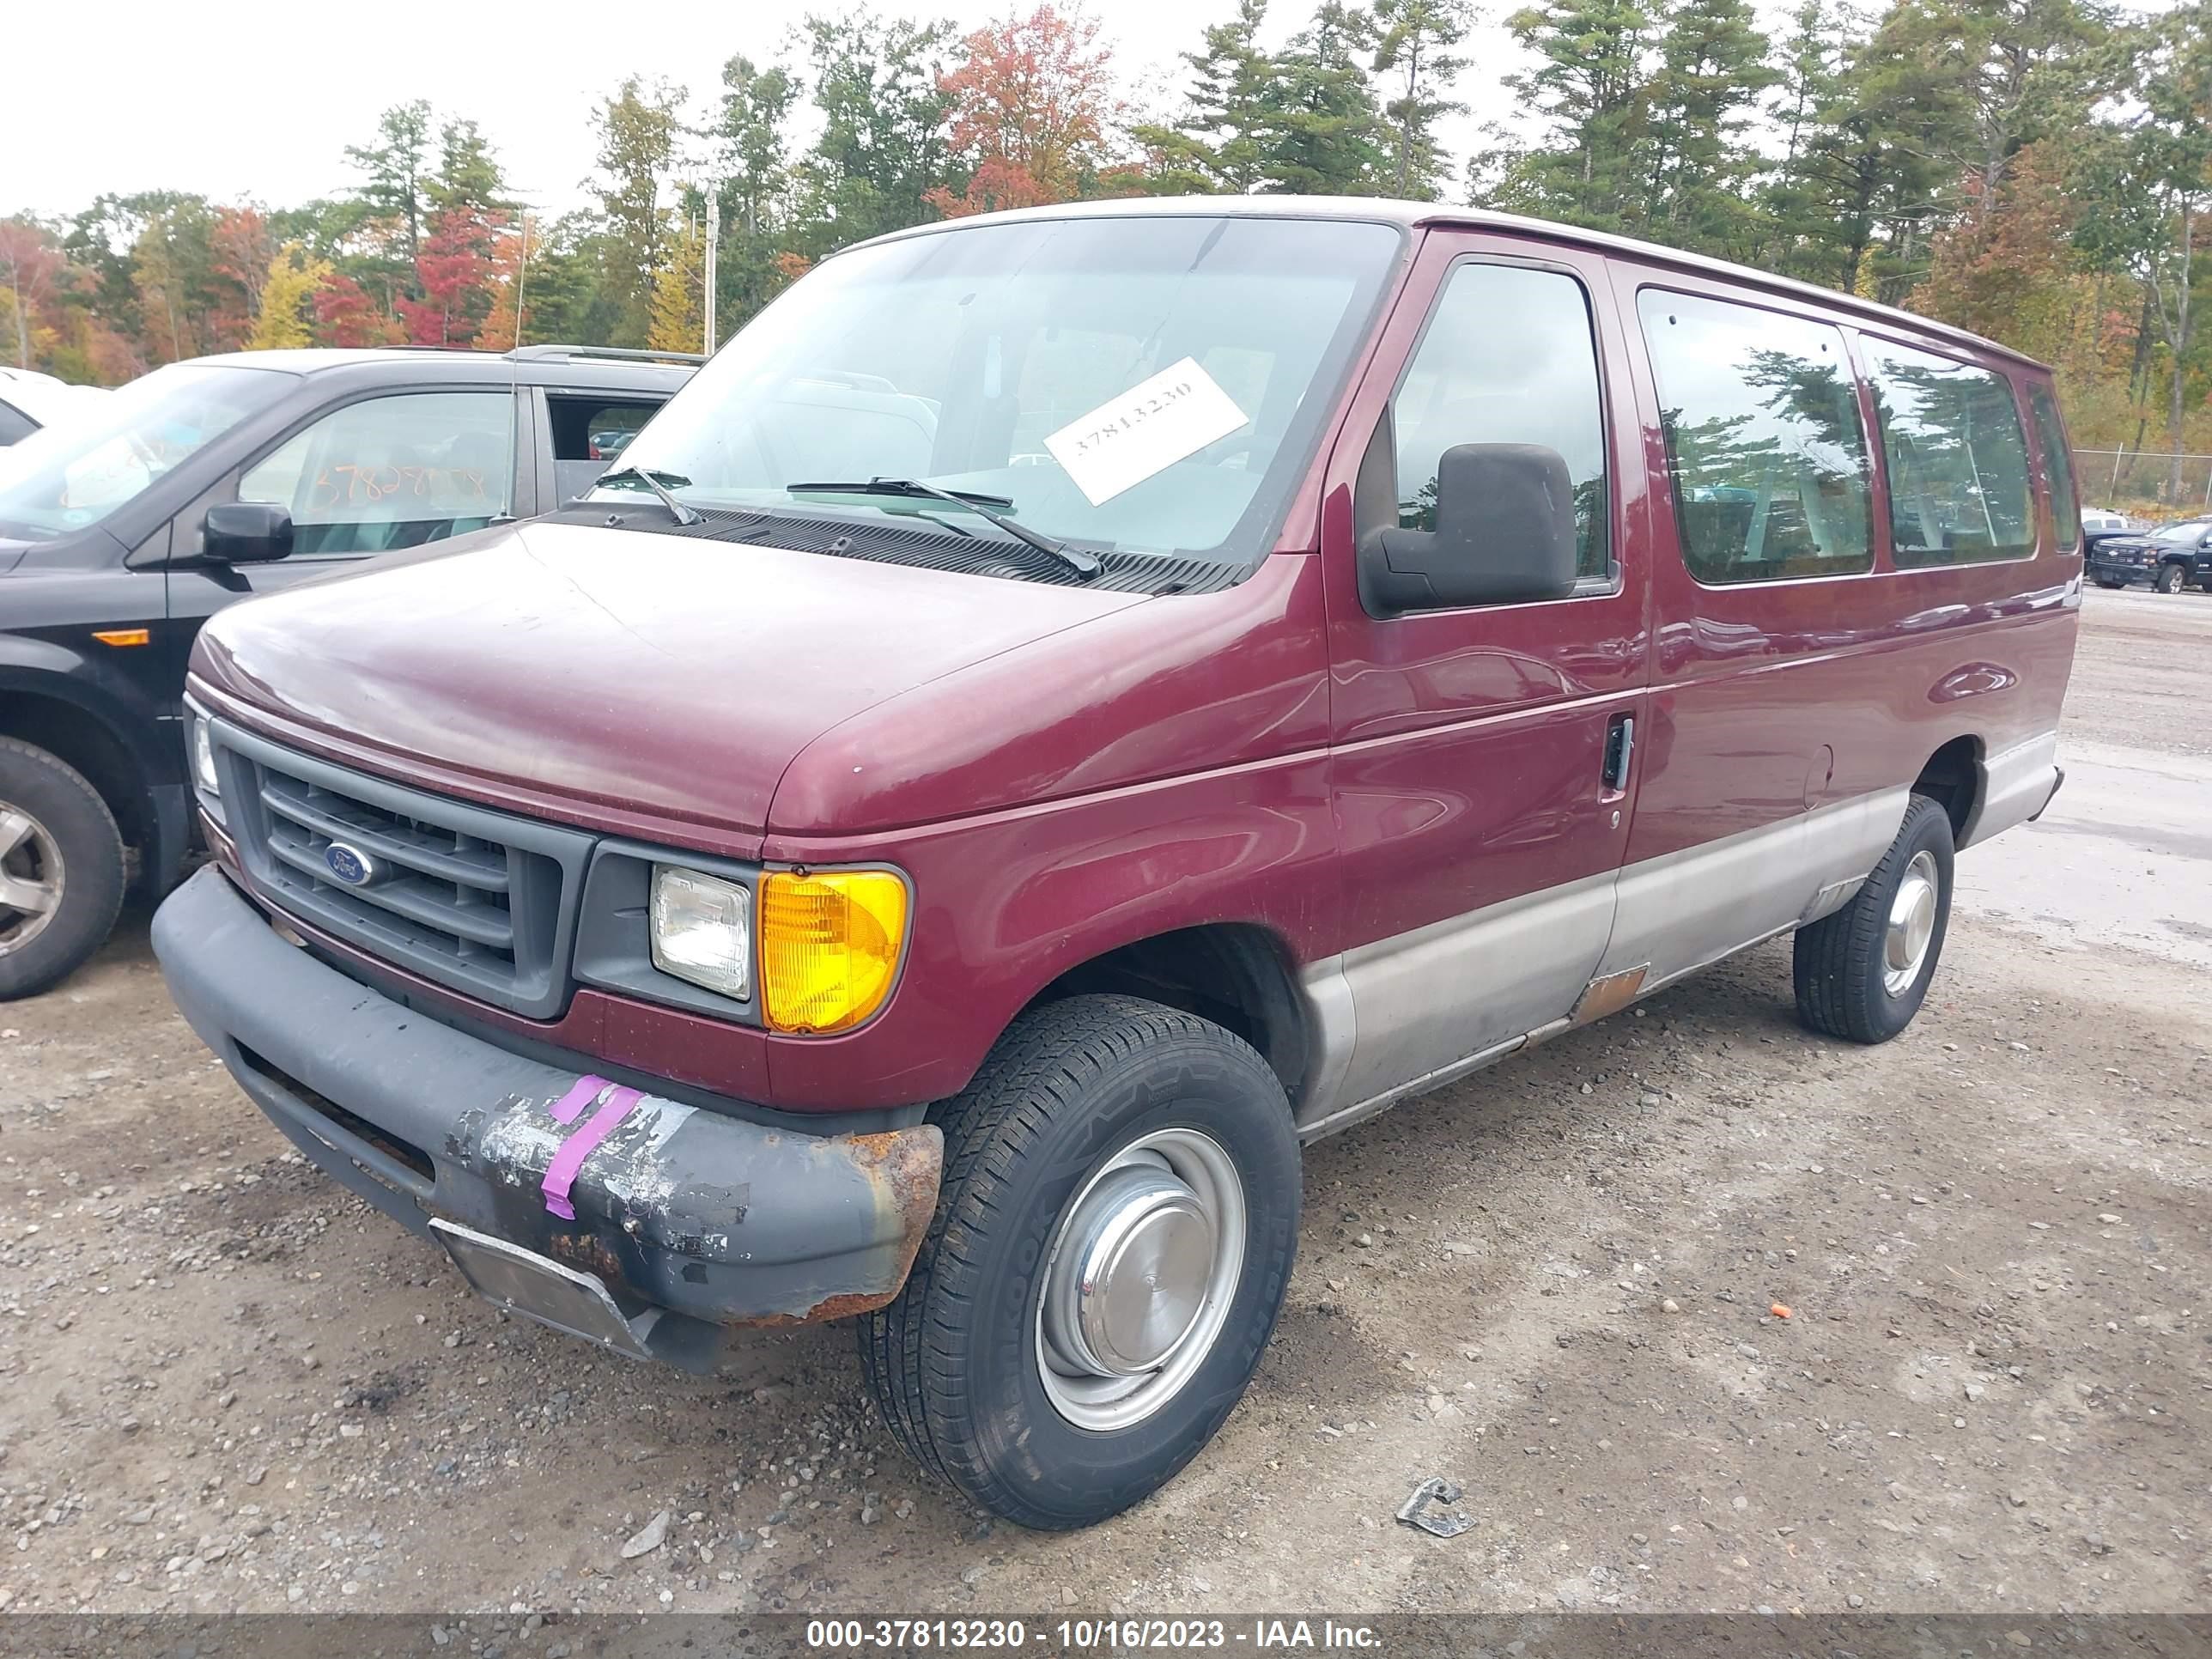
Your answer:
<point x="207" y="482"/>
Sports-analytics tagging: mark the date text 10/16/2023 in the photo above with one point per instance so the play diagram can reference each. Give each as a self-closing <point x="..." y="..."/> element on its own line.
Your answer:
<point x="1084" y="1635"/>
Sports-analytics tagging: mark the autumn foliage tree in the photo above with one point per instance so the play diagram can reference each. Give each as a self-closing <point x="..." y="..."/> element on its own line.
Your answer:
<point x="2005" y="267"/>
<point x="503" y="324"/>
<point x="1032" y="105"/>
<point x="286" y="291"/>
<point x="244" y="249"/>
<point x="346" y="315"/>
<point x="455" y="271"/>
<point x="31" y="269"/>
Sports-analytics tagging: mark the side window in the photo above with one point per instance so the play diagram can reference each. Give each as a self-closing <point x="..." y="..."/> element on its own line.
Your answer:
<point x="1958" y="460"/>
<point x="593" y="429"/>
<point x="2057" y="466"/>
<point x="1509" y="357"/>
<point x="15" y="425"/>
<point x="394" y="471"/>
<point x="1765" y="446"/>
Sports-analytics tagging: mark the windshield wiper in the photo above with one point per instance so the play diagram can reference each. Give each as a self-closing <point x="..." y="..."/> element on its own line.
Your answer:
<point x="984" y="507"/>
<point x="681" y="514"/>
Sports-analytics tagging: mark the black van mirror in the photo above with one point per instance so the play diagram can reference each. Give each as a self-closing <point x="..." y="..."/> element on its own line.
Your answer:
<point x="1504" y="534"/>
<point x="246" y="532"/>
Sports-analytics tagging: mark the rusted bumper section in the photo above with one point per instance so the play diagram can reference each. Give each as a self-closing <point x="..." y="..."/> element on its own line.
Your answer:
<point x="710" y="1221"/>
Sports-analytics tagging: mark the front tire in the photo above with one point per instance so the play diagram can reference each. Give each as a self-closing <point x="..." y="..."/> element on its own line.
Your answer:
<point x="61" y="869"/>
<point x="2169" y="578"/>
<point x="1862" y="972"/>
<point x="1112" y="1243"/>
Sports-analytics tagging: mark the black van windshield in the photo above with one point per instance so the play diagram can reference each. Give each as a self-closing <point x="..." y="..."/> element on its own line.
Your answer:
<point x="1150" y="384"/>
<point x="58" y="482"/>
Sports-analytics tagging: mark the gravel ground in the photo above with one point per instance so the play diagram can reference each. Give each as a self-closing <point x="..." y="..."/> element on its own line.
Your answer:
<point x="229" y="1386"/>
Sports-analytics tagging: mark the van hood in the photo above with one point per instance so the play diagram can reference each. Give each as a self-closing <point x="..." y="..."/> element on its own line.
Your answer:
<point x="652" y="675"/>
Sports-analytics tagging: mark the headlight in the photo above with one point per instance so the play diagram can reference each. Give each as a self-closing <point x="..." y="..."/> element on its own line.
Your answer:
<point x="199" y="749"/>
<point x="204" y="759"/>
<point x="830" y="942"/>
<point x="702" y="929"/>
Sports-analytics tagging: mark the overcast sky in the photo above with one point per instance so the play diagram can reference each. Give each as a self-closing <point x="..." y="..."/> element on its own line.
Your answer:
<point x="256" y="99"/>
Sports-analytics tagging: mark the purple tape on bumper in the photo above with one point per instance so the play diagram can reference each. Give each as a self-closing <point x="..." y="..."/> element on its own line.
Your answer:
<point x="560" y="1173"/>
<point x="585" y="1090"/>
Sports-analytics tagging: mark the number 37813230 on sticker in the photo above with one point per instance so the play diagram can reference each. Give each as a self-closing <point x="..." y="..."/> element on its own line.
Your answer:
<point x="1148" y="428"/>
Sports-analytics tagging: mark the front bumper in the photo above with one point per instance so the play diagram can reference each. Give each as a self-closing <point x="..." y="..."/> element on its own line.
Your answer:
<point x="703" y="1220"/>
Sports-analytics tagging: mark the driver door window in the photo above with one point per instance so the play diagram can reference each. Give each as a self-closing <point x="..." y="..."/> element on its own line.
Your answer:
<point x="392" y="473"/>
<point x="1509" y="357"/>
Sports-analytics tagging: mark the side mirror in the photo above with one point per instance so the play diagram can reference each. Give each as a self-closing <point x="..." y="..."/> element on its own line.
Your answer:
<point x="1504" y="534"/>
<point x="246" y="532"/>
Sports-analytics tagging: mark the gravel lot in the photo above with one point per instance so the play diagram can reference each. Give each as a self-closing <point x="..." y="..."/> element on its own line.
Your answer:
<point x="228" y="1387"/>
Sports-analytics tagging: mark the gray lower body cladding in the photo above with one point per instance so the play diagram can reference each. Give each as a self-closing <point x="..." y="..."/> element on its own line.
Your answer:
<point x="716" y="1222"/>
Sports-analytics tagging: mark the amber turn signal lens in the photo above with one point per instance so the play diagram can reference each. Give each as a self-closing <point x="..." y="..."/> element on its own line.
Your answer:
<point x="828" y="945"/>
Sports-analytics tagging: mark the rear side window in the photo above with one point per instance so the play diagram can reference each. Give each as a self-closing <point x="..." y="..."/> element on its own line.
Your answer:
<point x="1958" y="460"/>
<point x="14" y="424"/>
<point x="1765" y="446"/>
<point x="1509" y="358"/>
<point x="2057" y="466"/>
<point x="589" y="429"/>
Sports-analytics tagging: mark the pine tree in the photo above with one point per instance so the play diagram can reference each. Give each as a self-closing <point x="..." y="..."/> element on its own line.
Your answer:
<point x="1414" y="44"/>
<point x="1711" y="71"/>
<point x="1219" y="144"/>
<point x="1885" y="150"/>
<point x="469" y="174"/>
<point x="1322" y="130"/>
<point x="1792" y="226"/>
<point x="1589" y="83"/>
<point x="395" y="168"/>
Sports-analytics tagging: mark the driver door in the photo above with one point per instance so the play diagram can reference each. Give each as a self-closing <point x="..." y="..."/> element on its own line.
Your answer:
<point x="1484" y="762"/>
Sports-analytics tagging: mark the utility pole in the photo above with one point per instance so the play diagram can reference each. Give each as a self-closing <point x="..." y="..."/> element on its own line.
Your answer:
<point x="713" y="248"/>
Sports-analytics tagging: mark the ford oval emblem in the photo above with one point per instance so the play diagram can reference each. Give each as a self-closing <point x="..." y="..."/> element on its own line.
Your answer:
<point x="350" y="865"/>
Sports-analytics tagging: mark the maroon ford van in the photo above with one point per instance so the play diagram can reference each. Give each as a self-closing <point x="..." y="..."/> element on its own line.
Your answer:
<point x="1069" y="707"/>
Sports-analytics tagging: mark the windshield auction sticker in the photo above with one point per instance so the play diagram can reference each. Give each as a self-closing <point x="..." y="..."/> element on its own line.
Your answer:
<point x="1147" y="429"/>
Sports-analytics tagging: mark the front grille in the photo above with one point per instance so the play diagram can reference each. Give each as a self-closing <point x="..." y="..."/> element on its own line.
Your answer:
<point x="479" y="900"/>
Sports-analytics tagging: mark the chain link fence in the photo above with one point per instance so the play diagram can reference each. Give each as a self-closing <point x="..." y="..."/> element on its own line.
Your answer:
<point x="2158" y="485"/>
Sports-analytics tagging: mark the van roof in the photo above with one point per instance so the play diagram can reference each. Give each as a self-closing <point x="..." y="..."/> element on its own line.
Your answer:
<point x="1419" y="215"/>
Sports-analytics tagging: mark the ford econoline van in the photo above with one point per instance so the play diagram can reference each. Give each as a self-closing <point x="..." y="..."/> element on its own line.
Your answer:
<point x="1068" y="707"/>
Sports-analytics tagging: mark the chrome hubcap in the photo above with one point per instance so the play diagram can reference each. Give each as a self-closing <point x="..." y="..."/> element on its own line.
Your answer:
<point x="1139" y="1278"/>
<point x="1911" y="924"/>
<point x="30" y="878"/>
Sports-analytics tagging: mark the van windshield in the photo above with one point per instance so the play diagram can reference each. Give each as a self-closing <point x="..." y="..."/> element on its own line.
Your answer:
<point x="1140" y="384"/>
<point x="58" y="482"/>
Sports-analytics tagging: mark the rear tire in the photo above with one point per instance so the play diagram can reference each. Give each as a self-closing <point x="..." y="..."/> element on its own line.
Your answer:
<point x="2170" y="579"/>
<point x="1862" y="972"/>
<point x="61" y="869"/>
<point x="1081" y="1102"/>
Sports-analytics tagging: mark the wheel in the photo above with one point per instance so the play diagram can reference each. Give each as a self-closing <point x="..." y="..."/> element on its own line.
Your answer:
<point x="1862" y="972"/>
<point x="61" y="869"/>
<point x="2169" y="578"/>
<point x="1111" y="1245"/>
